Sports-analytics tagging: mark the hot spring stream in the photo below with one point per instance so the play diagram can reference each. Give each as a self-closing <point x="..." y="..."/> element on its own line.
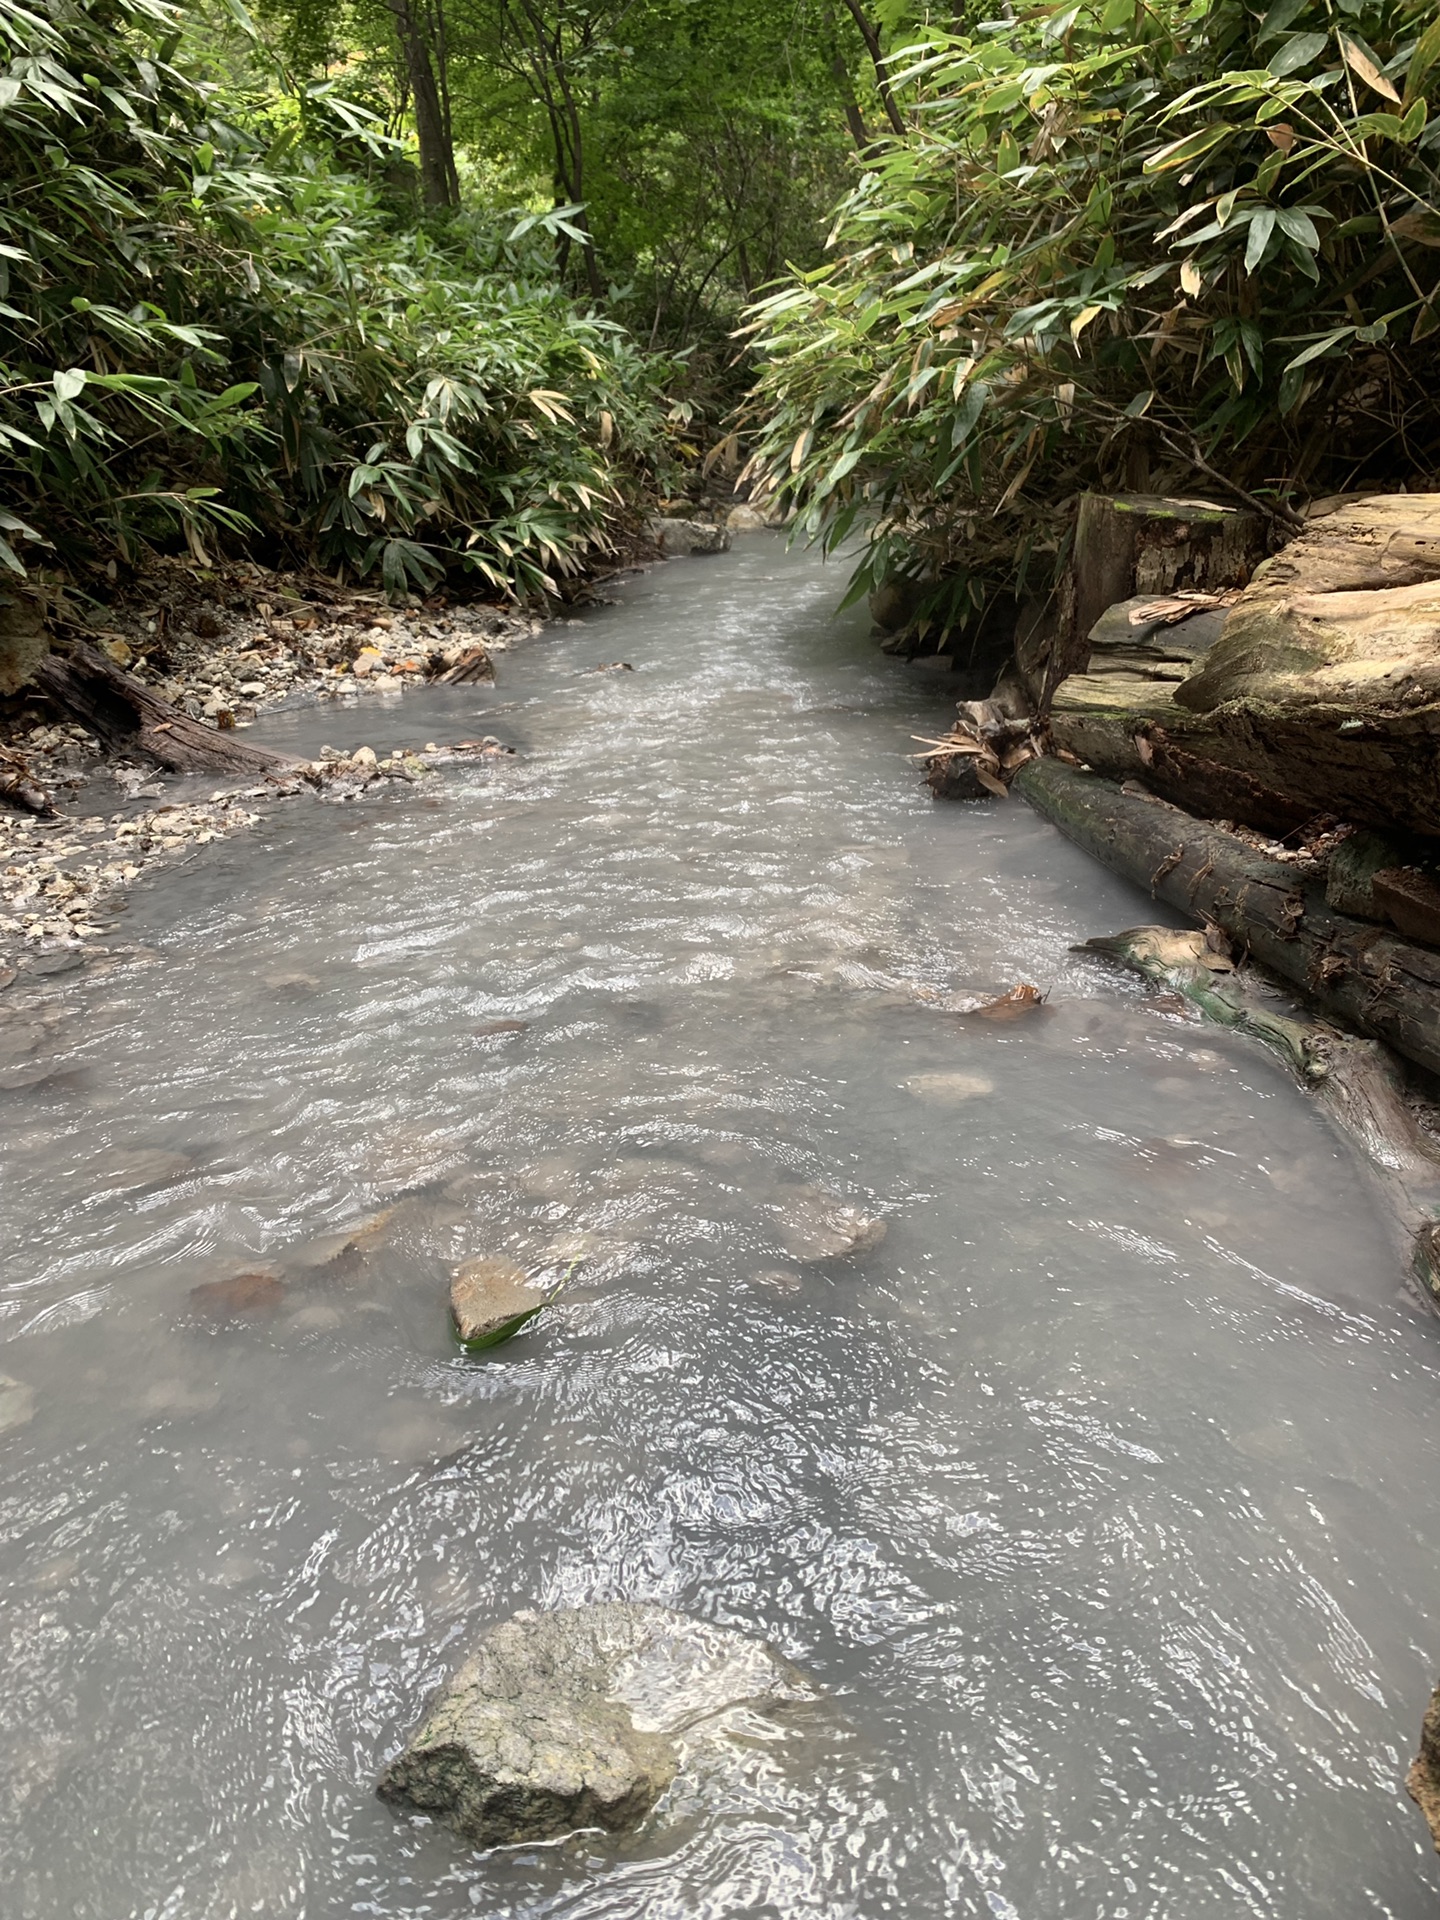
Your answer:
<point x="1098" y="1497"/>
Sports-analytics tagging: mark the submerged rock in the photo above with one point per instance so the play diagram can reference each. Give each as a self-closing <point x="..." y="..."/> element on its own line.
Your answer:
<point x="17" y="1403"/>
<point x="243" y="1296"/>
<point x="491" y="1297"/>
<point x="816" y="1224"/>
<point x="574" y="1719"/>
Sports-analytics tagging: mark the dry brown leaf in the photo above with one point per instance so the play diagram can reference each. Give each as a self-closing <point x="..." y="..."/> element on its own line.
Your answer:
<point x="1019" y="1001"/>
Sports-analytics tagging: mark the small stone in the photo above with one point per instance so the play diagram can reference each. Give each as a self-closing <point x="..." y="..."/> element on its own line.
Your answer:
<point x="490" y="1298"/>
<point x="369" y="660"/>
<point x="777" y="1280"/>
<point x="365" y="759"/>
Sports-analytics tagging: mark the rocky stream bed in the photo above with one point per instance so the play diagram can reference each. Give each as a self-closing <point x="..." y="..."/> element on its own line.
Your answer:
<point x="966" y="1463"/>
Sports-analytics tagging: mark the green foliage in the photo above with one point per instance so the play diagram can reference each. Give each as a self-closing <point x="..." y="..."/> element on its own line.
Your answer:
<point x="208" y="327"/>
<point x="1177" y="245"/>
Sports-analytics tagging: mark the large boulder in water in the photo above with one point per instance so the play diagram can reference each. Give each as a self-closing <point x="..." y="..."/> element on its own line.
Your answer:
<point x="689" y="536"/>
<point x="573" y="1719"/>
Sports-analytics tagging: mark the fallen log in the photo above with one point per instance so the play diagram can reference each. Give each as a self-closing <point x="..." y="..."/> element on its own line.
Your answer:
<point x="1357" y="1081"/>
<point x="1367" y="976"/>
<point x="127" y="716"/>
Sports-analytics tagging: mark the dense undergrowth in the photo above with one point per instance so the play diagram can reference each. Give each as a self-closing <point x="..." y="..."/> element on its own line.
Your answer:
<point x="211" y="329"/>
<point x="1182" y="245"/>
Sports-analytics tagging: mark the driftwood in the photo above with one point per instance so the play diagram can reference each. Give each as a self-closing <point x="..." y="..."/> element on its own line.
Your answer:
<point x="1366" y="976"/>
<point x="125" y="715"/>
<point x="1357" y="1081"/>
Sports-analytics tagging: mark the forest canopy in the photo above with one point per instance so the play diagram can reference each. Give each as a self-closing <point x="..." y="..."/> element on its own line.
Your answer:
<point x="447" y="290"/>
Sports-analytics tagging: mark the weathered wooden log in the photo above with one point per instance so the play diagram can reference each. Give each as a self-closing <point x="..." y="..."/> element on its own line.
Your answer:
<point x="125" y="715"/>
<point x="1357" y="1081"/>
<point x="1140" y="543"/>
<point x="1127" y="544"/>
<point x="1364" y="975"/>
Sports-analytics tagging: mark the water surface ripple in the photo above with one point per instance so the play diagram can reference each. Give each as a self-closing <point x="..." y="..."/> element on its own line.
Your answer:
<point x="1097" y="1496"/>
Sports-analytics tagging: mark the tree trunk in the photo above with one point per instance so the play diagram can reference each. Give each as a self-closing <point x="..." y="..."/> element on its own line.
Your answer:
<point x="1357" y="1081"/>
<point x="437" y="153"/>
<point x="1371" y="979"/>
<point x="877" y="58"/>
<point x="126" y="716"/>
<point x="854" y="119"/>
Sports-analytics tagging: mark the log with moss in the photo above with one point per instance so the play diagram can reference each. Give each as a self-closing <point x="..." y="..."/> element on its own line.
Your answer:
<point x="1364" y="975"/>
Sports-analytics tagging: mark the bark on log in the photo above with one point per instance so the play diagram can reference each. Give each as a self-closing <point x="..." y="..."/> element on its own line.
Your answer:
<point x="1140" y="543"/>
<point x="1128" y="544"/>
<point x="1370" y="978"/>
<point x="127" y="716"/>
<point x="1357" y="1081"/>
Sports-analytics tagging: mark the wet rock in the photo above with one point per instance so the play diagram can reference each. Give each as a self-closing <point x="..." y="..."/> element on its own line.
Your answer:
<point x="364" y="759"/>
<point x="567" y="1720"/>
<point x="490" y="1298"/>
<point x="1422" y="1782"/>
<point x="816" y="1224"/>
<point x="745" y="519"/>
<point x="244" y="1296"/>
<point x="17" y="1403"/>
<point x="689" y="536"/>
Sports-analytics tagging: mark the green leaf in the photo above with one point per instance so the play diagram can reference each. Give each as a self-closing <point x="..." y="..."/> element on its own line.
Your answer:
<point x="1296" y="52"/>
<point x="1262" y="225"/>
<point x="1318" y="346"/>
<point x="1184" y="152"/>
<point x="1427" y="52"/>
<point x="1298" y="225"/>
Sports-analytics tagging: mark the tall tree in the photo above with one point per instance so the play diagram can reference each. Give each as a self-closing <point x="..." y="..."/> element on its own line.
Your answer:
<point x="420" y="30"/>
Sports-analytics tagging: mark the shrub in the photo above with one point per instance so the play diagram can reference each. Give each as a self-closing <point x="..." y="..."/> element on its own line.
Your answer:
<point x="208" y="329"/>
<point x="1172" y="245"/>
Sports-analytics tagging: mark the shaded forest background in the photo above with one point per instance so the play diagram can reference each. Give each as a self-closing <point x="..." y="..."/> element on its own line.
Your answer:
<point x="448" y="291"/>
